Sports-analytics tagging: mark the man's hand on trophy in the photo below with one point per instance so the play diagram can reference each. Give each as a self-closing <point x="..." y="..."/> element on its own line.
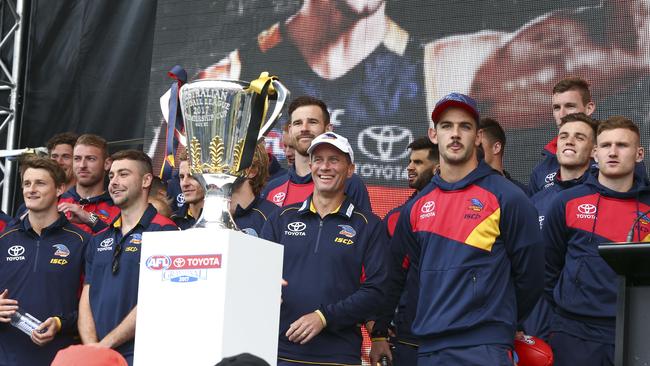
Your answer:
<point x="75" y="213"/>
<point x="304" y="329"/>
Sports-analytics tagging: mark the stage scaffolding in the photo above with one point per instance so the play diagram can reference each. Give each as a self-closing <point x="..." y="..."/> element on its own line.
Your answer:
<point x="11" y="28"/>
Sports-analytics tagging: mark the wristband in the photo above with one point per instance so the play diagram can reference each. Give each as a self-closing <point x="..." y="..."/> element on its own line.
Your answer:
<point x="93" y="219"/>
<point x="379" y="339"/>
<point x="322" y="317"/>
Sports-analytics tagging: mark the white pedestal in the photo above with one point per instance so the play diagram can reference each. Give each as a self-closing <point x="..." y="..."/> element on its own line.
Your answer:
<point x="206" y="294"/>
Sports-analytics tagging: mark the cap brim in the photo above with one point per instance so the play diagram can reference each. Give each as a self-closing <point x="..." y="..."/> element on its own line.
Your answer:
<point x="440" y="108"/>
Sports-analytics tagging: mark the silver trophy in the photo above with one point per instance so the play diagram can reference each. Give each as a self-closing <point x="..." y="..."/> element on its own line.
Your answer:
<point x="224" y="121"/>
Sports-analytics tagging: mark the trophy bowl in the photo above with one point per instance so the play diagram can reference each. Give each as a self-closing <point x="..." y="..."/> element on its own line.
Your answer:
<point x="224" y="121"/>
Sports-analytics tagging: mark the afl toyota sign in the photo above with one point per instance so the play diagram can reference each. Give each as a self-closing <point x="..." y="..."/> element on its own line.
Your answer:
<point x="385" y="149"/>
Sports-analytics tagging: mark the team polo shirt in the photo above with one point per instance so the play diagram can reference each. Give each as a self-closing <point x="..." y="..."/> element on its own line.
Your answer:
<point x="292" y="188"/>
<point x="43" y="272"/>
<point x="114" y="295"/>
<point x="337" y="265"/>
<point x="101" y="205"/>
<point x="183" y="218"/>
<point x="251" y="219"/>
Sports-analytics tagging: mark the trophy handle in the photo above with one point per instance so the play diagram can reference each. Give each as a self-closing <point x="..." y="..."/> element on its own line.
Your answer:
<point x="282" y="96"/>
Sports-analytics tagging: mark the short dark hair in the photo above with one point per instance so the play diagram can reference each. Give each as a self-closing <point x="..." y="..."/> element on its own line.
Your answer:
<point x="616" y="122"/>
<point x="574" y="83"/>
<point x="64" y="138"/>
<point x="135" y="155"/>
<point x="424" y="143"/>
<point x="158" y="184"/>
<point x="581" y="117"/>
<point x="36" y="162"/>
<point x="93" y="140"/>
<point x="306" y="100"/>
<point x="493" y="131"/>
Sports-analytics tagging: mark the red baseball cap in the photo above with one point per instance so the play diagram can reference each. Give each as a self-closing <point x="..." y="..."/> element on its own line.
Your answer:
<point x="455" y="100"/>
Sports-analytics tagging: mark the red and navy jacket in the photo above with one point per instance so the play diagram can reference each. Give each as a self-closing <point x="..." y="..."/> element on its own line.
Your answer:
<point x="101" y="205"/>
<point x="114" y="295"/>
<point x="578" y="282"/>
<point x="43" y="272"/>
<point x="336" y="265"/>
<point x="475" y="245"/>
<point x="402" y="288"/>
<point x="544" y="173"/>
<point x="538" y="322"/>
<point x="291" y="188"/>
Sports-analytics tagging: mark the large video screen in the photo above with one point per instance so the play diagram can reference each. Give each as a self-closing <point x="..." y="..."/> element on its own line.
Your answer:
<point x="381" y="65"/>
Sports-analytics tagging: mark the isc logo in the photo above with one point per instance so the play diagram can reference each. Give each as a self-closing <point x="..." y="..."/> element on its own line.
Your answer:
<point x="131" y="249"/>
<point x="344" y="241"/>
<point x="59" y="261"/>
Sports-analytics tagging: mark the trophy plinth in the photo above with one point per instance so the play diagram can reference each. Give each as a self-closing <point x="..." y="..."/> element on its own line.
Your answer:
<point x="224" y="120"/>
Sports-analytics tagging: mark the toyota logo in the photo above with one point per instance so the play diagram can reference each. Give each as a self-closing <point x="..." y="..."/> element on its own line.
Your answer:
<point x="428" y="207"/>
<point x="385" y="143"/>
<point x="179" y="262"/>
<point x="106" y="243"/>
<point x="296" y="226"/>
<point x="279" y="197"/>
<point x="16" y="250"/>
<point x="549" y="177"/>
<point x="587" y="209"/>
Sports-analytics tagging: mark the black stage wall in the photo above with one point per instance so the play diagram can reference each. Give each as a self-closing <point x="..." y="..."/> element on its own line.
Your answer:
<point x="87" y="70"/>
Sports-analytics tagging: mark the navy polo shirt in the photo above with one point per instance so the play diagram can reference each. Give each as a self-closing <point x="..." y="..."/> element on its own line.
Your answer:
<point x="43" y="272"/>
<point x="252" y="218"/>
<point x="114" y="295"/>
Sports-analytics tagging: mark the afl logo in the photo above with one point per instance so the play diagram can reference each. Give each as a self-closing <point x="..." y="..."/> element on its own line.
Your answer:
<point x="428" y="207"/>
<point x="549" y="177"/>
<point x="587" y="209"/>
<point x="16" y="250"/>
<point x="279" y="197"/>
<point x="180" y="200"/>
<point x="158" y="262"/>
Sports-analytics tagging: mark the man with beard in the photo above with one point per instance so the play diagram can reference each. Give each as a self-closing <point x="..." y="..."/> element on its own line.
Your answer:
<point x="581" y="287"/>
<point x="575" y="144"/>
<point x="60" y="149"/>
<point x="40" y="269"/>
<point x="309" y="118"/>
<point x="87" y="204"/>
<point x="493" y="145"/>
<point x="108" y="304"/>
<point x="472" y="239"/>
<point x="423" y="162"/>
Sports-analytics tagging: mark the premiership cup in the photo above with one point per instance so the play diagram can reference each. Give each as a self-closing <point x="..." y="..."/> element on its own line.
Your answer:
<point x="224" y="121"/>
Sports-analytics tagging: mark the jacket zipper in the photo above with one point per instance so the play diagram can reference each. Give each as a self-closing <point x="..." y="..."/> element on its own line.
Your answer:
<point x="320" y="227"/>
<point x="38" y="245"/>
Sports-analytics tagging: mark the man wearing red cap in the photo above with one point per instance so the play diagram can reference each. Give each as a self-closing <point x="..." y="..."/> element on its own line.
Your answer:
<point x="472" y="237"/>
